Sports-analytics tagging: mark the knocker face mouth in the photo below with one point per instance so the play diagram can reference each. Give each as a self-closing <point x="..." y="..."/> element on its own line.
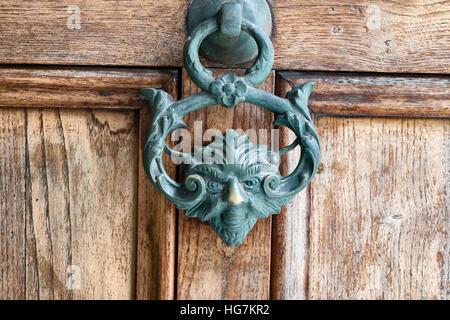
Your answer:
<point x="233" y="224"/>
<point x="233" y="218"/>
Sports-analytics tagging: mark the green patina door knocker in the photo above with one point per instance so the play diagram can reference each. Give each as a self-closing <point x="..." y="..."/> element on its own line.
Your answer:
<point x="236" y="182"/>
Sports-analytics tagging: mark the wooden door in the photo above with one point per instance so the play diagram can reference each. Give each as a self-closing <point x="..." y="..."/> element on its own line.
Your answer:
<point x="80" y="220"/>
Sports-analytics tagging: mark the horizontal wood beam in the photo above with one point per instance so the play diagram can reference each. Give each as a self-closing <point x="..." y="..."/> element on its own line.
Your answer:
<point x="366" y="95"/>
<point x="80" y="87"/>
<point x="344" y="35"/>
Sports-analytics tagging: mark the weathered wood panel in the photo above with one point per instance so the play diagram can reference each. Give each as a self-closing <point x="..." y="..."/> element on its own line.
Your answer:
<point x="12" y="203"/>
<point x="207" y="268"/>
<point x="349" y="94"/>
<point x="379" y="210"/>
<point x="156" y="227"/>
<point x="109" y="88"/>
<point x="79" y="87"/>
<point x="289" y="272"/>
<point x="290" y="232"/>
<point x="77" y="204"/>
<point x="347" y="35"/>
<point x="387" y="95"/>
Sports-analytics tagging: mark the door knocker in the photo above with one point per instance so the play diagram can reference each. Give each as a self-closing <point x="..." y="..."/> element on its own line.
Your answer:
<point x="236" y="182"/>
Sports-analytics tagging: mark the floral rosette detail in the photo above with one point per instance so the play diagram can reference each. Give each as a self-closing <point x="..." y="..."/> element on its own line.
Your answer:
<point x="229" y="90"/>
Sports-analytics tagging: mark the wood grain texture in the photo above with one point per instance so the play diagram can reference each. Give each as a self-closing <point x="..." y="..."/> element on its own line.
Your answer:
<point x="74" y="220"/>
<point x="349" y="94"/>
<point x="79" y="87"/>
<point x="156" y="226"/>
<point x="289" y="272"/>
<point x="290" y="229"/>
<point x="346" y="35"/>
<point x="12" y="204"/>
<point x="349" y="35"/>
<point x="207" y="268"/>
<point x="379" y="210"/>
<point x="369" y="95"/>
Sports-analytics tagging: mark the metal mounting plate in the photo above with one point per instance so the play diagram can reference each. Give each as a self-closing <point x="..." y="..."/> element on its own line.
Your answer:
<point x="227" y="51"/>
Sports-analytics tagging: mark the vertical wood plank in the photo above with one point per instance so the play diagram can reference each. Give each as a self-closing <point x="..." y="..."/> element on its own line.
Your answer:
<point x="289" y="273"/>
<point x="207" y="268"/>
<point x="50" y="202"/>
<point x="156" y="226"/>
<point x="379" y="210"/>
<point x="12" y="203"/>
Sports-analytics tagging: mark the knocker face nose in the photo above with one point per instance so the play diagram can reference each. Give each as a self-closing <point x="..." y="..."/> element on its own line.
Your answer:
<point x="234" y="194"/>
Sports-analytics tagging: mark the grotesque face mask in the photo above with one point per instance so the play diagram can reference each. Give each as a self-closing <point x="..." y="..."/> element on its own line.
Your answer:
<point x="235" y="172"/>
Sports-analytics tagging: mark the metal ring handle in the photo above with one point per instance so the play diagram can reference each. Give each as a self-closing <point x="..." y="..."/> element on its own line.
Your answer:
<point x="203" y="78"/>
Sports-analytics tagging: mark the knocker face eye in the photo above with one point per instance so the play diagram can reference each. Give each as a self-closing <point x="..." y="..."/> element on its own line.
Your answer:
<point x="252" y="185"/>
<point x="214" y="187"/>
